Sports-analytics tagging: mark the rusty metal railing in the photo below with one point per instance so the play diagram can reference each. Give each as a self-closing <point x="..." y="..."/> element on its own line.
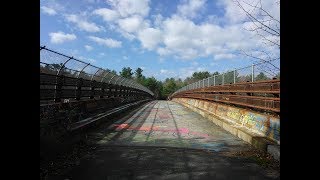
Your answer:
<point x="265" y="70"/>
<point x="260" y="95"/>
<point x="64" y="77"/>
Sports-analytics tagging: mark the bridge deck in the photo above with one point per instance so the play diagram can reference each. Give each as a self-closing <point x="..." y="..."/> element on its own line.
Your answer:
<point x="166" y="123"/>
<point x="164" y="140"/>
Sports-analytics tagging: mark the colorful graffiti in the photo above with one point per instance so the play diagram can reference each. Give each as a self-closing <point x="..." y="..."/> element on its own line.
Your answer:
<point x="234" y="114"/>
<point x="274" y="129"/>
<point x="265" y="124"/>
<point x="147" y="129"/>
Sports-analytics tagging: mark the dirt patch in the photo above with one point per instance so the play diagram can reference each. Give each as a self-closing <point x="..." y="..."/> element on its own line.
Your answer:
<point x="260" y="157"/>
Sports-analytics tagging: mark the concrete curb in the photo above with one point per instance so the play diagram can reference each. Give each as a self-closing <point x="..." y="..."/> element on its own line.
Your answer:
<point x="253" y="137"/>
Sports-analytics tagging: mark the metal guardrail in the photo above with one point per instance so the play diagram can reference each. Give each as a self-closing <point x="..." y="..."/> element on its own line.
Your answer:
<point x="266" y="70"/>
<point x="63" y="76"/>
<point x="261" y="95"/>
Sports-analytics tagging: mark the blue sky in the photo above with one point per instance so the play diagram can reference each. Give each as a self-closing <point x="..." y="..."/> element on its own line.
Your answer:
<point x="166" y="38"/>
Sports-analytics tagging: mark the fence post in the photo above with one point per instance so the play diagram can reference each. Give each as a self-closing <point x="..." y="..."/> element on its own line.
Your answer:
<point x="223" y="79"/>
<point x="58" y="88"/>
<point x="93" y="84"/>
<point x="208" y="81"/>
<point x="234" y="76"/>
<point x="78" y="90"/>
<point x="214" y="80"/>
<point x="252" y="73"/>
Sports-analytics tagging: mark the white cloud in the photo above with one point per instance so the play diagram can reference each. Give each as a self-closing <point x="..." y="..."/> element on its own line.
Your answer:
<point x="106" y="42"/>
<point x="150" y="38"/>
<point x="92" y="1"/>
<point x="157" y="20"/>
<point x="61" y="37"/>
<point x="179" y="36"/>
<point x="90" y="60"/>
<point x="195" y="63"/>
<point x="131" y="24"/>
<point x="188" y="40"/>
<point x="82" y="23"/>
<point x="126" y="16"/>
<point x="125" y="57"/>
<point x="188" y="71"/>
<point x="163" y="52"/>
<point x="224" y="56"/>
<point x="48" y="10"/>
<point x="190" y="8"/>
<point x="107" y="14"/>
<point x="88" y="48"/>
<point x="101" y="54"/>
<point x="163" y="71"/>
<point x="234" y="14"/>
<point x="130" y="7"/>
<point x="213" y="64"/>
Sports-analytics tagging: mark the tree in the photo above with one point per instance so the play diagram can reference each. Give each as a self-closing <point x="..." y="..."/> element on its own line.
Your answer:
<point x="200" y="75"/>
<point x="169" y="87"/>
<point x="264" y="23"/>
<point x="196" y="76"/>
<point x="138" y="73"/>
<point x="229" y="77"/>
<point x="114" y="72"/>
<point x="261" y="77"/>
<point x="54" y="69"/>
<point x="126" y="72"/>
<point x="215" y="73"/>
<point x="153" y="85"/>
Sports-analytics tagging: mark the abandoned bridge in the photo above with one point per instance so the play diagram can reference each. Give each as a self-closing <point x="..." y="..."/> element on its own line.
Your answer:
<point x="97" y="125"/>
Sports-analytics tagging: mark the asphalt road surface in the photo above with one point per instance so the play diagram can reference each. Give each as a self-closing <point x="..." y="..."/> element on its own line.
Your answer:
<point x="164" y="140"/>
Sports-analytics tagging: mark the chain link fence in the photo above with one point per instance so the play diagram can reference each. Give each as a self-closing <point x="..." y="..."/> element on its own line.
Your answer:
<point x="262" y="71"/>
<point x="55" y="63"/>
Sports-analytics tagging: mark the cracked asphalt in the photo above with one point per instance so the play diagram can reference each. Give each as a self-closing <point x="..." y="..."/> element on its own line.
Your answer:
<point x="165" y="140"/>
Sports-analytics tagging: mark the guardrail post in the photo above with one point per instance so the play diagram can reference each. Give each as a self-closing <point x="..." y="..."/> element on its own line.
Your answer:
<point x="58" y="89"/>
<point x="252" y="73"/>
<point x="223" y="79"/>
<point x="92" y="89"/>
<point x="102" y="90"/>
<point x="78" y="90"/>
<point x="234" y="76"/>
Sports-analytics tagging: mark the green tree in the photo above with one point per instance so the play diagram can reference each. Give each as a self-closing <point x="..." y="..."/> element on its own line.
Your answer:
<point x="138" y="73"/>
<point x="153" y="85"/>
<point x="200" y="75"/>
<point x="170" y="85"/>
<point x="215" y="73"/>
<point x="126" y="72"/>
<point x="114" y="72"/>
<point x="229" y="77"/>
<point x="261" y="77"/>
<point x="196" y="76"/>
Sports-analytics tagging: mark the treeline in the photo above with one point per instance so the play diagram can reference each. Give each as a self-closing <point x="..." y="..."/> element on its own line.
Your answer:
<point x="162" y="89"/>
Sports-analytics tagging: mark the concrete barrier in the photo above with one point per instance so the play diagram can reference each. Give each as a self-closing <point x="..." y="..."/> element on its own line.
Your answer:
<point x="260" y="130"/>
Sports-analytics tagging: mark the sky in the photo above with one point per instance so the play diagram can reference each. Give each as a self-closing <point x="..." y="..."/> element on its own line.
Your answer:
<point x="166" y="38"/>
